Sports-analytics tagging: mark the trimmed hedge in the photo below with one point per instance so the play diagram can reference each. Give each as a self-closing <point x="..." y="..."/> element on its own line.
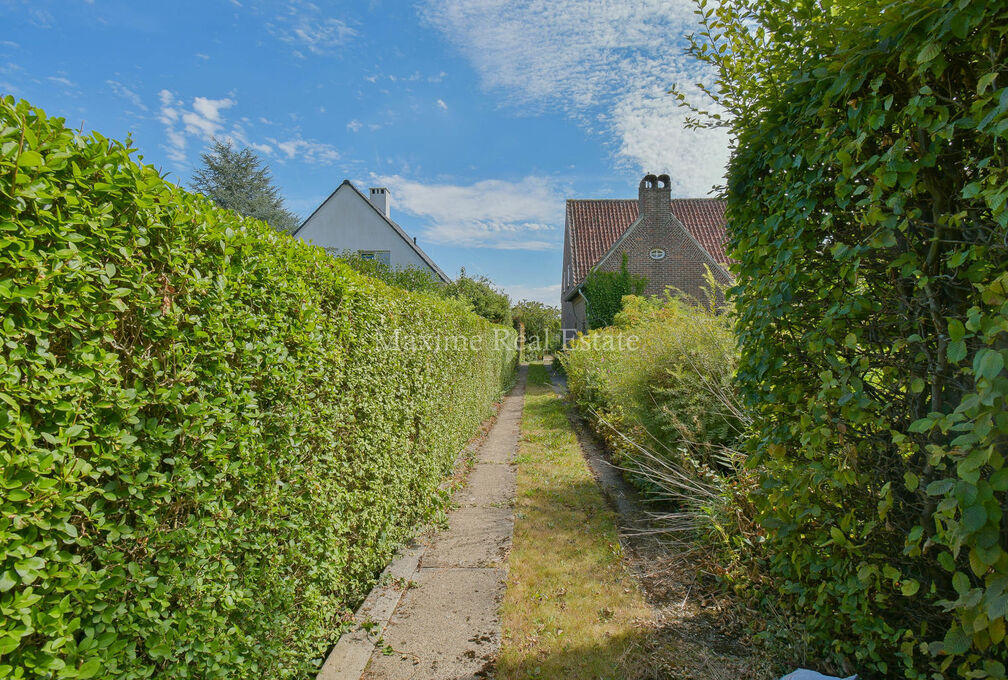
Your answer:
<point x="207" y="447"/>
<point x="870" y="229"/>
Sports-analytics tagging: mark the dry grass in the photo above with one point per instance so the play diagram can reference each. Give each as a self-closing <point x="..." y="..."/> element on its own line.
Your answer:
<point x="579" y="605"/>
<point x="572" y="610"/>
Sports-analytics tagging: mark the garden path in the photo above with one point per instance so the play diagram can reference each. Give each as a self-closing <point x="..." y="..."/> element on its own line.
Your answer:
<point x="446" y="594"/>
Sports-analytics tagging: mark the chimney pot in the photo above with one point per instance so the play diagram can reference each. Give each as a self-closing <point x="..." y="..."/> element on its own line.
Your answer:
<point x="380" y="198"/>
<point x="655" y="198"/>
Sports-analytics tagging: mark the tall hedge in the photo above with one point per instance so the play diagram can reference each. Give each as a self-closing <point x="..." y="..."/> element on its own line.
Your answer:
<point x="868" y="214"/>
<point x="209" y="440"/>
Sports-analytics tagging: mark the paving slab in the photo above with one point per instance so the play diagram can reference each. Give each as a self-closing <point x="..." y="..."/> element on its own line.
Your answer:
<point x="350" y="656"/>
<point x="489" y="484"/>
<point x="458" y="638"/>
<point x="447" y="626"/>
<point x="478" y="537"/>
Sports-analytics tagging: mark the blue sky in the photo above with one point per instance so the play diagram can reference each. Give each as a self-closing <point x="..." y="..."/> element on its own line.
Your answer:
<point x="481" y="116"/>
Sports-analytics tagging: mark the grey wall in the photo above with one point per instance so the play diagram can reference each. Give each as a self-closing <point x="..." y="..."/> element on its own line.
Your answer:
<point x="573" y="318"/>
<point x="348" y="222"/>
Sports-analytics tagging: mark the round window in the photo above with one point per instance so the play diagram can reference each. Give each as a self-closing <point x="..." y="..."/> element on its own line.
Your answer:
<point x="657" y="254"/>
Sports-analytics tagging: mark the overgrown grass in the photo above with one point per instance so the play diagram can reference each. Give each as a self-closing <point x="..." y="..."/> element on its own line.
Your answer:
<point x="571" y="607"/>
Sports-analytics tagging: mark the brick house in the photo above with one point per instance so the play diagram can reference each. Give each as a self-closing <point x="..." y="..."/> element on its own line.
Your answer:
<point x="669" y="241"/>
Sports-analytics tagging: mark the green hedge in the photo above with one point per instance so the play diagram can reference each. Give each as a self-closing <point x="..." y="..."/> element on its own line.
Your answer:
<point x="207" y="447"/>
<point x="868" y="213"/>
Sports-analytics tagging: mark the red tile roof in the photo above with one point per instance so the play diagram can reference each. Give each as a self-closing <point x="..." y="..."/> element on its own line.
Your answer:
<point x="593" y="226"/>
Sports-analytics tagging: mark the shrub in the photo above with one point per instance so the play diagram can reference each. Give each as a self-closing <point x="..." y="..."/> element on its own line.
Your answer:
<point x="867" y="204"/>
<point x="407" y="278"/>
<point x="604" y="292"/>
<point x="208" y="447"/>
<point x="658" y="385"/>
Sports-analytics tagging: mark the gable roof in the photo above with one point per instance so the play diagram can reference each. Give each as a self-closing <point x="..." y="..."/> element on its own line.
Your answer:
<point x="595" y="225"/>
<point x="395" y="227"/>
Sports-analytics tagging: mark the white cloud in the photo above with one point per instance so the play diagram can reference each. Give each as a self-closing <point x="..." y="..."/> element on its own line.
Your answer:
<point x="306" y="150"/>
<point x="304" y="25"/>
<point x="60" y="80"/>
<point x="204" y="119"/>
<point x="169" y="116"/>
<point x="548" y="295"/>
<point x="354" y="125"/>
<point x="598" y="62"/>
<point x="441" y="105"/>
<point x="129" y="95"/>
<point x="524" y="215"/>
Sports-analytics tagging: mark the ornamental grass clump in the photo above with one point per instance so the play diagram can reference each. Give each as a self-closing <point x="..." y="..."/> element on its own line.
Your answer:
<point x="207" y="448"/>
<point x="658" y="388"/>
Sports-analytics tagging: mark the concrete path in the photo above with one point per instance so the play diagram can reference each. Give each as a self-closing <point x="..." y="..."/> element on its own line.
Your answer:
<point x="446" y="624"/>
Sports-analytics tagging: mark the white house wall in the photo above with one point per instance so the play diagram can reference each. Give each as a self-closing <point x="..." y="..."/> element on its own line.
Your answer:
<point x="348" y="222"/>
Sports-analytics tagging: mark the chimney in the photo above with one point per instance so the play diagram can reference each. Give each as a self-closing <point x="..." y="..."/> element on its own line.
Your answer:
<point x="380" y="199"/>
<point x="655" y="198"/>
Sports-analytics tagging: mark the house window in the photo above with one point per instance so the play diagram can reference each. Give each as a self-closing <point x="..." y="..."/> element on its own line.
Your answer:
<point x="657" y="254"/>
<point x="383" y="256"/>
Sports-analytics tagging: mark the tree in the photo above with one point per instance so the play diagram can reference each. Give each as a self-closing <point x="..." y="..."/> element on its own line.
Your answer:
<point x="239" y="180"/>
<point x="542" y="326"/>
<point x="605" y="290"/>
<point x="490" y="303"/>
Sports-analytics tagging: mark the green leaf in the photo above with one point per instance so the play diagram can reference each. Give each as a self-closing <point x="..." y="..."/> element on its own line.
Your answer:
<point x="946" y="561"/>
<point x="8" y="644"/>
<point x="909" y="587"/>
<point x="956" y="330"/>
<point x="30" y="159"/>
<point x="7" y="581"/>
<point x="974" y="517"/>
<point x="960" y="582"/>
<point x="984" y="81"/>
<point x="987" y="364"/>
<point x="956" y="641"/>
<point x="29" y="568"/>
<point x="956" y="351"/>
<point x="928" y="52"/>
<point x="89" y="669"/>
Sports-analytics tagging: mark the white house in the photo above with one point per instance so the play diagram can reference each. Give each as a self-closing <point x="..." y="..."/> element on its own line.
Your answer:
<point x="349" y="221"/>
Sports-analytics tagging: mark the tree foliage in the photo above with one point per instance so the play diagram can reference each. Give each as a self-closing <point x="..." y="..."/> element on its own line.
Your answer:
<point x="239" y="180"/>
<point x="604" y="292"/>
<point x="867" y="197"/>
<point x="408" y="278"/>
<point x="541" y="325"/>
<point x="212" y="435"/>
<point x="481" y="295"/>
